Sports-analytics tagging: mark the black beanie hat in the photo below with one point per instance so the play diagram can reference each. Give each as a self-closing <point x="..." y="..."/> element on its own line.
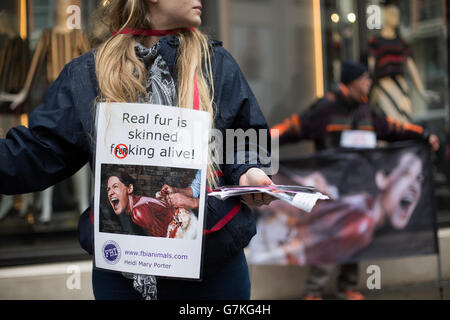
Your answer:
<point x="351" y="71"/>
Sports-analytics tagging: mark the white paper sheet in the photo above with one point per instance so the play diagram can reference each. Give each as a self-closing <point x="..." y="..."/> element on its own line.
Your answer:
<point x="157" y="145"/>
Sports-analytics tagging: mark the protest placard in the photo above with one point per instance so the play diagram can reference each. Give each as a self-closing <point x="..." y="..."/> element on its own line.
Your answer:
<point x="147" y="155"/>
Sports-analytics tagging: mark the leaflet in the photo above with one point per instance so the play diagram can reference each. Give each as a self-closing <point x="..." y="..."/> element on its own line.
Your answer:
<point x="303" y="198"/>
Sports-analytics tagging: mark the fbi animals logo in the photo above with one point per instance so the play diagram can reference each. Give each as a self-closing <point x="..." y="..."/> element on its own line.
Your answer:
<point x="111" y="252"/>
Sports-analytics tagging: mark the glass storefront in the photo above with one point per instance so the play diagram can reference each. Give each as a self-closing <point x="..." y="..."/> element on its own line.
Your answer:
<point x="280" y="53"/>
<point x="276" y="45"/>
<point x="349" y="28"/>
<point x="36" y="42"/>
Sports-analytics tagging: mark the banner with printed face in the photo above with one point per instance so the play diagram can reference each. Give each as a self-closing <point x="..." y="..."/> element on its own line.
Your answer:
<point x="150" y="177"/>
<point x="382" y="207"/>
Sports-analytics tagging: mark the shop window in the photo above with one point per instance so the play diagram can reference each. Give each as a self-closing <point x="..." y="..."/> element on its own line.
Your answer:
<point x="274" y="43"/>
<point x="41" y="226"/>
<point x="422" y="25"/>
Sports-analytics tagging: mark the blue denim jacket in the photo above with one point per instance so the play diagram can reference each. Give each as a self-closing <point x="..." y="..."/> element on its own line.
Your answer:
<point x="59" y="141"/>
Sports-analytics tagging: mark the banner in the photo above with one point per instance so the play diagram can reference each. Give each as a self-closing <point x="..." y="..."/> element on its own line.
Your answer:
<point x="150" y="172"/>
<point x="382" y="207"/>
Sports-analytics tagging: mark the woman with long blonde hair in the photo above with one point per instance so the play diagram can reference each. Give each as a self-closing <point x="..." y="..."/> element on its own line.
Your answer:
<point x="154" y="54"/>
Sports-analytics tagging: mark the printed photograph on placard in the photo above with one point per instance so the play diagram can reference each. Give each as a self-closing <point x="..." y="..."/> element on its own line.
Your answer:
<point x="149" y="201"/>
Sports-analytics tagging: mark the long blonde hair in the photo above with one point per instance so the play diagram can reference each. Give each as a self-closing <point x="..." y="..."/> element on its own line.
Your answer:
<point x="122" y="76"/>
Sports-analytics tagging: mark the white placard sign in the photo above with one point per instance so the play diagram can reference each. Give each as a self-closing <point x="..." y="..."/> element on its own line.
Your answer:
<point x="361" y="139"/>
<point x="144" y="152"/>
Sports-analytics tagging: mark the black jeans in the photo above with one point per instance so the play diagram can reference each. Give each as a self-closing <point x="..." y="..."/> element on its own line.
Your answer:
<point x="229" y="280"/>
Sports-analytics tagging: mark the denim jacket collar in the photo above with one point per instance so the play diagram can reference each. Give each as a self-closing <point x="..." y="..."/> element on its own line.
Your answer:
<point x="168" y="50"/>
<point x="169" y="47"/>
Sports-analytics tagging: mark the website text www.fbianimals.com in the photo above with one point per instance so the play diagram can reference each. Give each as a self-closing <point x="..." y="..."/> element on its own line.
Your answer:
<point x="146" y="254"/>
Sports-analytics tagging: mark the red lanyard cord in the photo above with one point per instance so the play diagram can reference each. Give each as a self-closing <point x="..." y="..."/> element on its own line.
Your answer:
<point x="149" y="32"/>
<point x="196" y="94"/>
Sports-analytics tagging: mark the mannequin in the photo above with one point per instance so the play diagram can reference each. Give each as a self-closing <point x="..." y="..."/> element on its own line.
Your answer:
<point x="56" y="47"/>
<point x="14" y="62"/>
<point x="389" y="59"/>
<point x="14" y="57"/>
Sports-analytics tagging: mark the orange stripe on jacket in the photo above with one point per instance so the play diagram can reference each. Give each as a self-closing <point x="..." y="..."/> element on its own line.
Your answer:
<point x="413" y="127"/>
<point x="366" y="128"/>
<point x="338" y="127"/>
<point x="398" y="125"/>
<point x="290" y="124"/>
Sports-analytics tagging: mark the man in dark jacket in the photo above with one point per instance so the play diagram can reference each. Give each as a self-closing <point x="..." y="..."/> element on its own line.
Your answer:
<point x="343" y="118"/>
<point x="346" y="109"/>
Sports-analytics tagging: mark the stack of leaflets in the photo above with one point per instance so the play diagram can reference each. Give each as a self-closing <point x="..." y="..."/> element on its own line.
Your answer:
<point x="303" y="198"/>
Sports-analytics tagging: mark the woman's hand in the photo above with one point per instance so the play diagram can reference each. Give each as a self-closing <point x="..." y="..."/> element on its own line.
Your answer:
<point x="256" y="177"/>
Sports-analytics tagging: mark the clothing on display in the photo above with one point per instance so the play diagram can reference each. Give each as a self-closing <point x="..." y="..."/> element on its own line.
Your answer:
<point x="390" y="92"/>
<point x="54" y="51"/>
<point x="14" y="63"/>
<point x="390" y="56"/>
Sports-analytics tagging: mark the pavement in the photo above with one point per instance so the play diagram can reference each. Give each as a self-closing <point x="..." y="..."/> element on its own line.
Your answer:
<point x="420" y="291"/>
